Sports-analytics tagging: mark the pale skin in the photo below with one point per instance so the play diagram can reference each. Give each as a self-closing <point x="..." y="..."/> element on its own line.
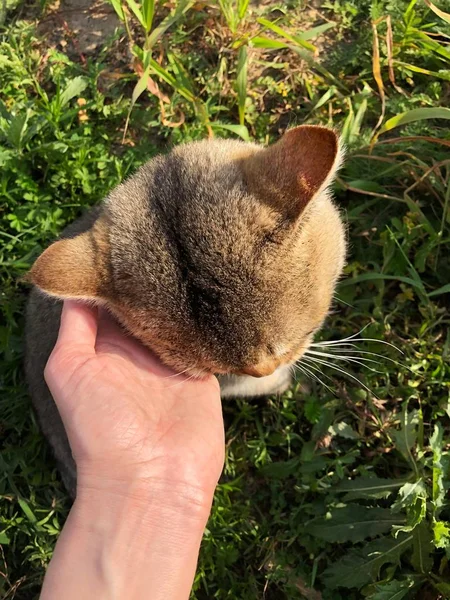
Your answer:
<point x="149" y="449"/>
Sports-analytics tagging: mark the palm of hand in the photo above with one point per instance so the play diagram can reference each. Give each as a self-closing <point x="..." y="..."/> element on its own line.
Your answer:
<point x="126" y="414"/>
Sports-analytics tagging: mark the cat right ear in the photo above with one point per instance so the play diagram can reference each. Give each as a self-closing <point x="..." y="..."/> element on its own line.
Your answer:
<point x="291" y="172"/>
<point x="74" y="267"/>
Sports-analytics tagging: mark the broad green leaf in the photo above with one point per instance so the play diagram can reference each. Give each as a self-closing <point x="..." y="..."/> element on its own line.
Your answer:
<point x="241" y="82"/>
<point x="421" y="559"/>
<point x="240" y="130"/>
<point x="343" y="430"/>
<point x="4" y="539"/>
<point x="17" y="128"/>
<point x="445" y="289"/>
<point x="361" y="566"/>
<point x="74" y="88"/>
<point x="441" y="534"/>
<point x="406" y="436"/>
<point x="416" y="114"/>
<point x="393" y="590"/>
<point x="408" y="494"/>
<point x="438" y="470"/>
<point x="354" y="523"/>
<point x="364" y="487"/>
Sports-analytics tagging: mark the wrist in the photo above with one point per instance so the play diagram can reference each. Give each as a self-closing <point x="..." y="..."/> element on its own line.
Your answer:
<point x="145" y="495"/>
<point x="133" y="542"/>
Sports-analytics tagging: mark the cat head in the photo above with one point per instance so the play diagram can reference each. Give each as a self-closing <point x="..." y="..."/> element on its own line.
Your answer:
<point x="221" y="256"/>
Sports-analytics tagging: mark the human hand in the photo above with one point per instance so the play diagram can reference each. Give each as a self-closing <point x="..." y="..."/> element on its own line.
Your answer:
<point x="127" y="416"/>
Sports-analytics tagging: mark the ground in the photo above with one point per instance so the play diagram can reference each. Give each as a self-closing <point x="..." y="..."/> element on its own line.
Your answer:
<point x="339" y="488"/>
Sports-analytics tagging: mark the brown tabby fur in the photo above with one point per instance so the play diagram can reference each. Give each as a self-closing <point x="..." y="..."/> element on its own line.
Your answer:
<point x="221" y="256"/>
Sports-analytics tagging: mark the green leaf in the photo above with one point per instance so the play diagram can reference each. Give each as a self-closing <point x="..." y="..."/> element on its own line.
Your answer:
<point x="240" y="130"/>
<point x="421" y="559"/>
<point x="314" y="32"/>
<point x="438" y="470"/>
<point x="441" y="534"/>
<point x="354" y="523"/>
<point x="27" y="510"/>
<point x="241" y="82"/>
<point x="181" y="9"/>
<point x="417" y="114"/>
<point x="117" y="5"/>
<point x="361" y="566"/>
<point x="445" y="289"/>
<point x="343" y="430"/>
<point x="393" y="590"/>
<point x="148" y="10"/>
<point x="260" y="41"/>
<point x="4" y="539"/>
<point x="74" y="88"/>
<point x="312" y="410"/>
<point x="406" y="437"/>
<point x="17" y="128"/>
<point x="286" y="35"/>
<point x="377" y="277"/>
<point x="408" y="494"/>
<point x="365" y="487"/>
<point x="134" y="6"/>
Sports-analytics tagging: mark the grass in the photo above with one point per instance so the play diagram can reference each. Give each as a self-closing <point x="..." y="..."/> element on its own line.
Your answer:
<point x="330" y="492"/>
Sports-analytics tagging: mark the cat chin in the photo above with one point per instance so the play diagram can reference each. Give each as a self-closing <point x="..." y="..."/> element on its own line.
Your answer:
<point x="245" y="386"/>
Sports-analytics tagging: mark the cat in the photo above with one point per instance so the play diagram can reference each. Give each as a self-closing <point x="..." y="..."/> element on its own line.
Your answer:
<point x="222" y="256"/>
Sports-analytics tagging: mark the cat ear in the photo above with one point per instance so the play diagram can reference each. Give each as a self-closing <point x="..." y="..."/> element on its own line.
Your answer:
<point x="74" y="267"/>
<point x="288" y="174"/>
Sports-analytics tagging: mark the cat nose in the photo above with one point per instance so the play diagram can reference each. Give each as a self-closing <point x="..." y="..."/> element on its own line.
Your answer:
<point x="261" y="370"/>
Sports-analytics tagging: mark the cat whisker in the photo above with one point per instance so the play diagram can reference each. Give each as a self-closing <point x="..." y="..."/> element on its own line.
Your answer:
<point x="355" y="359"/>
<point x="343" y="342"/>
<point x="180" y="373"/>
<point x="342" y="351"/>
<point x="343" y="371"/>
<point x="306" y="371"/>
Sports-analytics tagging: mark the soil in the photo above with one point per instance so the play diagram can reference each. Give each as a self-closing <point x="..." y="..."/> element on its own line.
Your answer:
<point x="79" y="27"/>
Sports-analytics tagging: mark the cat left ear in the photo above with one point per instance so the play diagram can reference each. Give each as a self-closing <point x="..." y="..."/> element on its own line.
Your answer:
<point x="74" y="267"/>
<point x="291" y="172"/>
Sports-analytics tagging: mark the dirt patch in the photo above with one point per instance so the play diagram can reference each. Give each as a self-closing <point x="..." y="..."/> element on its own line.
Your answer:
<point x="79" y="26"/>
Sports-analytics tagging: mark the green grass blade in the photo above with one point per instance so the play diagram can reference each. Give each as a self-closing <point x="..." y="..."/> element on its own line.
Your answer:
<point x="148" y="11"/>
<point x="241" y="82"/>
<point x="417" y="114"/>
<point x="242" y="8"/>
<point x="240" y="130"/>
<point x="314" y="32"/>
<point x="261" y="41"/>
<point x="445" y="289"/>
<point x="117" y="5"/>
<point x="286" y="35"/>
<point x="170" y="20"/>
<point x="134" y="7"/>
<point x="171" y="80"/>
